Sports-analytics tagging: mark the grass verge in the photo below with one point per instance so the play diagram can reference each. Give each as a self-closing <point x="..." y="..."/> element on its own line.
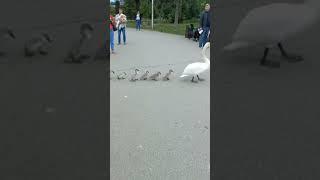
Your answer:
<point x="163" y="27"/>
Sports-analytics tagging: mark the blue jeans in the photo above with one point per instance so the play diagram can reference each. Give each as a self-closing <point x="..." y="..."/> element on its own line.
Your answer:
<point x="138" y="24"/>
<point x="204" y="36"/>
<point x="123" y="31"/>
<point x="112" y="39"/>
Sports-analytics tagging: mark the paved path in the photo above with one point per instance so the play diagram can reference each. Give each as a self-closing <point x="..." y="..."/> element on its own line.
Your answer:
<point x="159" y="130"/>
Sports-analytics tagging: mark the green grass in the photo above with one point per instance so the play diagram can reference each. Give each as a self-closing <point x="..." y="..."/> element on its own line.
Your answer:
<point x="163" y="27"/>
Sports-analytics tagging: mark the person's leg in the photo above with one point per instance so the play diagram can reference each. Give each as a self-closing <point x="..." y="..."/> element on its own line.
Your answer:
<point x="203" y="37"/>
<point x="112" y="40"/>
<point x="119" y="36"/>
<point x="124" y="35"/>
<point x="137" y="24"/>
<point x="206" y="33"/>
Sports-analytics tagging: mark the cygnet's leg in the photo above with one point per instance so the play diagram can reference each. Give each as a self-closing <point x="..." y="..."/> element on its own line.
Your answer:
<point x="73" y="58"/>
<point x="199" y="78"/>
<point x="84" y="56"/>
<point x="43" y="50"/>
<point x="289" y="57"/>
<point x="269" y="63"/>
<point x="28" y="53"/>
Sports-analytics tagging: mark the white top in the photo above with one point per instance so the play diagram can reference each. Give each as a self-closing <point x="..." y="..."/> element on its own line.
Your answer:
<point x="119" y="23"/>
<point x="138" y="17"/>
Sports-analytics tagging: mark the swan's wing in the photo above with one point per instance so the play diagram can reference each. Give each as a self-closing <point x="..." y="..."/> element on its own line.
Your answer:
<point x="273" y="22"/>
<point x="195" y="68"/>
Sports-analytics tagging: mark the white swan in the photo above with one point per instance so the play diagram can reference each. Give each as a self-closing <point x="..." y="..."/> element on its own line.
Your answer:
<point x="197" y="68"/>
<point x="270" y="25"/>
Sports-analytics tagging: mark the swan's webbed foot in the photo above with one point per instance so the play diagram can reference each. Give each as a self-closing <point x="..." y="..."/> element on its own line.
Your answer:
<point x="289" y="57"/>
<point x="293" y="58"/>
<point x="200" y="79"/>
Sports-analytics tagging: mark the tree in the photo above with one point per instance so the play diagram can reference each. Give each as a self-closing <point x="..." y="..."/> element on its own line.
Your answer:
<point x="138" y="2"/>
<point x="117" y="6"/>
<point x="177" y="11"/>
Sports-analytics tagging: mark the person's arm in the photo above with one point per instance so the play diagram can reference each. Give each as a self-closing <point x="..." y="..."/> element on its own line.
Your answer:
<point x="124" y="18"/>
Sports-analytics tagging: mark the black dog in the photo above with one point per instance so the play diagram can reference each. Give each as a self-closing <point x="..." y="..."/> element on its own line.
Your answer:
<point x="196" y="35"/>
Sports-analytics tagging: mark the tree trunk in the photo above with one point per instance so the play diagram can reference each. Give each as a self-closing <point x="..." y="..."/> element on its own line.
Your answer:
<point x="176" y="15"/>
<point x="117" y="6"/>
<point x="137" y="5"/>
<point x="180" y="12"/>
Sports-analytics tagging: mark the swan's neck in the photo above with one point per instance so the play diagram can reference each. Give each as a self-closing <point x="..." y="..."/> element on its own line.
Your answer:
<point x="205" y="58"/>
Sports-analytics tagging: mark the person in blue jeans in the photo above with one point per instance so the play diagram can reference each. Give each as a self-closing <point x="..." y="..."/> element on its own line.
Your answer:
<point x="111" y="25"/>
<point x="205" y="25"/>
<point x="121" y="22"/>
<point x="138" y="21"/>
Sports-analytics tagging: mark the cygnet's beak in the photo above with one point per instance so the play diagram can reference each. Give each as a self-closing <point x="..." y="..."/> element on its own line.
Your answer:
<point x="12" y="35"/>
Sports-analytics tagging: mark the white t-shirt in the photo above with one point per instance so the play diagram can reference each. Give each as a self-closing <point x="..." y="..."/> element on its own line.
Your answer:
<point x="138" y="17"/>
<point x="117" y="19"/>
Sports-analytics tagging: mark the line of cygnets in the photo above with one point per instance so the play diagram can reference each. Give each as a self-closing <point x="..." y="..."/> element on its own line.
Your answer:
<point x="41" y="44"/>
<point x="193" y="69"/>
<point x="75" y="20"/>
<point x="153" y="66"/>
<point x="123" y="75"/>
<point x="134" y="77"/>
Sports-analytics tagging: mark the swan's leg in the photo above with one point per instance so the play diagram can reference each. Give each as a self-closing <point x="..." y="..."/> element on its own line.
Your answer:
<point x="199" y="78"/>
<point x="290" y="58"/>
<point x="192" y="80"/>
<point x="264" y="61"/>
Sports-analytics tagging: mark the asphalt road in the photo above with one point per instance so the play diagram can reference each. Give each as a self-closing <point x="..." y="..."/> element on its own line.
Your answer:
<point x="159" y="130"/>
<point x="265" y="120"/>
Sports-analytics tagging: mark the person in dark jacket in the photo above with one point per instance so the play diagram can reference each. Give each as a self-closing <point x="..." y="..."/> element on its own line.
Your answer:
<point x="205" y="23"/>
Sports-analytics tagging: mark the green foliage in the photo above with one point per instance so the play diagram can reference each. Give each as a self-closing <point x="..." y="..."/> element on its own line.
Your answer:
<point x="117" y="6"/>
<point x="164" y="10"/>
<point x="163" y="27"/>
